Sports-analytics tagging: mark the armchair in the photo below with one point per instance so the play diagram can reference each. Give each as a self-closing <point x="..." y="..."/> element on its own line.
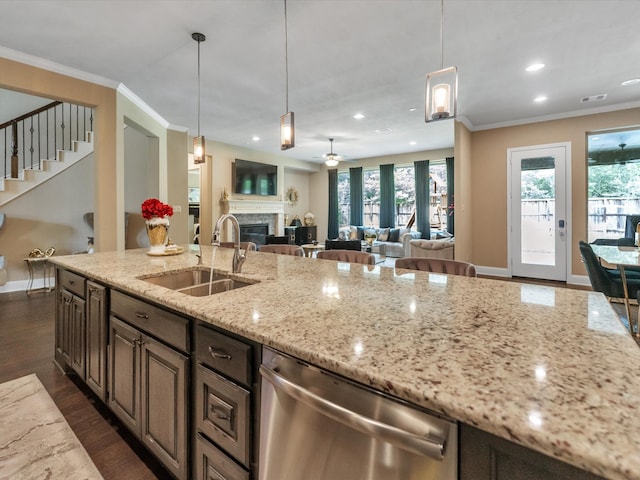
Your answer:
<point x="607" y="280"/>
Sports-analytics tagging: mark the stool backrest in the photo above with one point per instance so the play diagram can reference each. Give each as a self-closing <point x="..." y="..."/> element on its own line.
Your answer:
<point x="437" y="265"/>
<point x="350" y="256"/>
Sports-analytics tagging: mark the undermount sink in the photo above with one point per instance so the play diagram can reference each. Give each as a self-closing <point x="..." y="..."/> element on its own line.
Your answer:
<point x="195" y="282"/>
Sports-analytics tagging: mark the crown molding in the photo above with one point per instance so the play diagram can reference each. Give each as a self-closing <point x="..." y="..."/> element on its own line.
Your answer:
<point x="138" y="102"/>
<point x="558" y="116"/>
<point x="38" y="62"/>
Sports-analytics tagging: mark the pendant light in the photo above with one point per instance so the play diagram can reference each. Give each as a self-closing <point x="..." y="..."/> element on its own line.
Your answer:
<point x="198" y="141"/>
<point x="442" y="86"/>
<point x="331" y="159"/>
<point x="287" y="128"/>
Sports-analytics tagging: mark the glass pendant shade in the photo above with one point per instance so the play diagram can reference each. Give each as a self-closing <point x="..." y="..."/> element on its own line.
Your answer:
<point x="198" y="149"/>
<point x="287" y="131"/>
<point x="331" y="160"/>
<point x="441" y="94"/>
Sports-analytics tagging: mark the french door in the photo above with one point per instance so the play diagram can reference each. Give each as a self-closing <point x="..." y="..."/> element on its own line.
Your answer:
<point x="538" y="211"/>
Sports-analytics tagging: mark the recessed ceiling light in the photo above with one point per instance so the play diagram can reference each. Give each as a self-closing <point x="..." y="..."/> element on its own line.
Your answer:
<point x="255" y="138"/>
<point x="540" y="98"/>
<point x="382" y="130"/>
<point x="412" y="143"/>
<point x="633" y="81"/>
<point x="358" y="116"/>
<point x="535" y="67"/>
<point x="412" y="109"/>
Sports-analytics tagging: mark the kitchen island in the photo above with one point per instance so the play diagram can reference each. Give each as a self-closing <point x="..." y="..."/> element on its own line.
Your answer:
<point x="548" y="369"/>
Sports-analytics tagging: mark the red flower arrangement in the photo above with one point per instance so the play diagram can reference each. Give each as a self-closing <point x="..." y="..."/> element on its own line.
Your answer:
<point x="152" y="207"/>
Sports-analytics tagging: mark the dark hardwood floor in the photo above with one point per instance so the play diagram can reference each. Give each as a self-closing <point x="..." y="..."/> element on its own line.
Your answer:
<point x="26" y="346"/>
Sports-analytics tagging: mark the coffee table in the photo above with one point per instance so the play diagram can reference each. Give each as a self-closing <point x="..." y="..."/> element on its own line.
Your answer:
<point x="378" y="249"/>
<point x="311" y="248"/>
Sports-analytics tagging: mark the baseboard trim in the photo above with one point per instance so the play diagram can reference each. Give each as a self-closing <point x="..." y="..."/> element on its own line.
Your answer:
<point x="21" y="285"/>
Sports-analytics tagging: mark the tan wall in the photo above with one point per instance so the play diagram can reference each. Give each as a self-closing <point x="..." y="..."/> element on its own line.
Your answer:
<point x="489" y="178"/>
<point x="463" y="195"/>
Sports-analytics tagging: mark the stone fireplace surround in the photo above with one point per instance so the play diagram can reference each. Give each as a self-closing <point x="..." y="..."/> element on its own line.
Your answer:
<point x="256" y="211"/>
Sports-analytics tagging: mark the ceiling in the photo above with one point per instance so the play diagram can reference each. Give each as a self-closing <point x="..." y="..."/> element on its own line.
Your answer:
<point x="345" y="57"/>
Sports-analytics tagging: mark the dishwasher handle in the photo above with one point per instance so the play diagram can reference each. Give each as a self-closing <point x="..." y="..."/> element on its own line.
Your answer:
<point x="431" y="446"/>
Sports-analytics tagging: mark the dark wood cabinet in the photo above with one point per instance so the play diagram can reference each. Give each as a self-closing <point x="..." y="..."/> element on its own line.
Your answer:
<point x="96" y="339"/>
<point x="486" y="457"/>
<point x="70" y="325"/>
<point x="149" y="380"/>
<point x="306" y="234"/>
<point x="226" y="406"/>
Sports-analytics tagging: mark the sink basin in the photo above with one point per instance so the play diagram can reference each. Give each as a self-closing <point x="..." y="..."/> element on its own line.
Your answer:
<point x="217" y="286"/>
<point x="195" y="282"/>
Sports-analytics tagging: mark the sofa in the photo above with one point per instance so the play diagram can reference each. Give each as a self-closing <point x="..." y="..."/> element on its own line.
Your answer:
<point x="396" y="240"/>
<point x="437" y="248"/>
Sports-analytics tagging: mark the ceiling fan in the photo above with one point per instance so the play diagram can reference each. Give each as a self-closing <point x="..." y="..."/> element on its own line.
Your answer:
<point x="331" y="159"/>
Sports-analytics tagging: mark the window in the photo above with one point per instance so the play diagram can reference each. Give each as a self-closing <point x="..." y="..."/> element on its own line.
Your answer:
<point x="613" y="175"/>
<point x="344" y="199"/>
<point x="405" y="194"/>
<point x="371" y="197"/>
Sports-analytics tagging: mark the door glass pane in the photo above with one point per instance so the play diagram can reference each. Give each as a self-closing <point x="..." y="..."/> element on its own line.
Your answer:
<point x="537" y="202"/>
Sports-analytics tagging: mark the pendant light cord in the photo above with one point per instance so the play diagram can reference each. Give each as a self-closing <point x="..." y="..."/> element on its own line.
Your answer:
<point x="198" y="87"/>
<point x="441" y="34"/>
<point x="286" y="58"/>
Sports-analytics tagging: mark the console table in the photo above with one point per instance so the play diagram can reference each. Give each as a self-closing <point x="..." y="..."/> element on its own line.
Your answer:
<point x="32" y="265"/>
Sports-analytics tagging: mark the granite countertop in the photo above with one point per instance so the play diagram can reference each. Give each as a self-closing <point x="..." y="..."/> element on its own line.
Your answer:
<point x="550" y="369"/>
<point x="35" y="439"/>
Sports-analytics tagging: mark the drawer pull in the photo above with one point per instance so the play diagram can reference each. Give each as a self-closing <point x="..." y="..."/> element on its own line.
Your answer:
<point x="72" y="282"/>
<point x="219" y="413"/>
<point x="142" y="315"/>
<point x="219" y="354"/>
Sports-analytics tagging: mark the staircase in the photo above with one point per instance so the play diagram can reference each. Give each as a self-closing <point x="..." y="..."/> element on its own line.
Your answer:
<point x="40" y="144"/>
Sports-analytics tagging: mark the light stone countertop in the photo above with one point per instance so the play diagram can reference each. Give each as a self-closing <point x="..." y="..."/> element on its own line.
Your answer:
<point x="551" y="369"/>
<point x="35" y="440"/>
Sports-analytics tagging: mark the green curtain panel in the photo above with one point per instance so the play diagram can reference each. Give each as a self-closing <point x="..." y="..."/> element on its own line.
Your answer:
<point x="356" y="180"/>
<point x="450" y="197"/>
<point x="332" y="227"/>
<point x="422" y="198"/>
<point x="387" y="196"/>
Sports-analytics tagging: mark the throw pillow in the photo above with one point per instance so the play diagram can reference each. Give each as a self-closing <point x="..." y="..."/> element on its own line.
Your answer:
<point x="360" y="233"/>
<point x="394" y="235"/>
<point x="353" y="233"/>
<point x="383" y="234"/>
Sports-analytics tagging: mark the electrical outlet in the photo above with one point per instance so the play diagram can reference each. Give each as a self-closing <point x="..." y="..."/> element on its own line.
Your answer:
<point x="177" y="209"/>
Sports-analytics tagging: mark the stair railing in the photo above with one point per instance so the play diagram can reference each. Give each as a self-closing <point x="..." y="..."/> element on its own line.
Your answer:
<point x="28" y="139"/>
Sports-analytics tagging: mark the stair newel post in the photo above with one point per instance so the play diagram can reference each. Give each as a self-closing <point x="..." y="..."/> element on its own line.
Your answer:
<point x="14" y="150"/>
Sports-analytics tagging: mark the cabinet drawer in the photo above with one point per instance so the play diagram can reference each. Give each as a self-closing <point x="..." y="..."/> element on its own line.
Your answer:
<point x="223" y="413"/>
<point x="227" y="355"/>
<point x="212" y="464"/>
<point x="73" y="282"/>
<point x="169" y="327"/>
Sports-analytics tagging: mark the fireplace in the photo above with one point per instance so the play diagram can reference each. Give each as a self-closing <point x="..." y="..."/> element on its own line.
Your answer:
<point x="254" y="232"/>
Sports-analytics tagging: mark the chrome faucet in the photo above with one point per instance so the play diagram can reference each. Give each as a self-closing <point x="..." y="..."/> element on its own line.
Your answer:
<point x="238" y="258"/>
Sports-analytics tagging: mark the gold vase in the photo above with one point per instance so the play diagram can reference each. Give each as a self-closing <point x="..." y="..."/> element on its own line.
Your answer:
<point x="158" y="233"/>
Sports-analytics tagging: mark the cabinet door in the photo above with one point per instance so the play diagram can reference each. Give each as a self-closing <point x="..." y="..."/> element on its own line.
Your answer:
<point x="78" y="333"/>
<point x="96" y="346"/>
<point x="63" y="328"/>
<point x="486" y="457"/>
<point x="164" y="404"/>
<point x="124" y="373"/>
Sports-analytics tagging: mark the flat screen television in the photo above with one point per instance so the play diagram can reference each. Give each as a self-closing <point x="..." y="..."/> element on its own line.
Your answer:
<point x="253" y="178"/>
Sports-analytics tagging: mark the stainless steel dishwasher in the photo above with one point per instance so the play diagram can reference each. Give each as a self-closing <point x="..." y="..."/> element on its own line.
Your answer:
<point x="315" y="425"/>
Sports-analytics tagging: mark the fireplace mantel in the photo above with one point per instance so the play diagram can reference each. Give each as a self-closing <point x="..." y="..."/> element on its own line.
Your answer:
<point x="234" y="206"/>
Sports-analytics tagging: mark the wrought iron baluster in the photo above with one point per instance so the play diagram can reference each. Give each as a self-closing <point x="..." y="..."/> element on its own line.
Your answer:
<point x="62" y="124"/>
